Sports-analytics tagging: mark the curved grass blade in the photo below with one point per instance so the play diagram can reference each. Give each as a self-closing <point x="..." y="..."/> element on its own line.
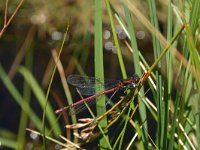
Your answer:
<point x="18" y="98"/>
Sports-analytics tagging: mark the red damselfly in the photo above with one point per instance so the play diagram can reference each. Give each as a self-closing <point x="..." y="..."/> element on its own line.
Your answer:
<point x="88" y="85"/>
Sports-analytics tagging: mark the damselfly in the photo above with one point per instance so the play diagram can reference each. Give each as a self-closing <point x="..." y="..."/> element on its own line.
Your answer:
<point x="88" y="85"/>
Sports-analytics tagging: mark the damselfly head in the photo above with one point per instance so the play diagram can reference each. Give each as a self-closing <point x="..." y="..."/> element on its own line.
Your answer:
<point x="134" y="81"/>
<point x="135" y="78"/>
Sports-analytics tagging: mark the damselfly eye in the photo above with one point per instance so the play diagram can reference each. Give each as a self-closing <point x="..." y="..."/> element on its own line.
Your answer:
<point x="136" y="78"/>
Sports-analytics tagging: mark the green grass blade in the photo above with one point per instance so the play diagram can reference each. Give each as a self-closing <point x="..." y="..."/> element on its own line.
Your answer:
<point x="197" y="122"/>
<point x="26" y="96"/>
<point x="133" y="41"/>
<point x="119" y="53"/>
<point x="99" y="72"/>
<point x="119" y="19"/>
<point x="173" y="128"/>
<point x="168" y="81"/>
<point x="8" y="139"/>
<point x="98" y="58"/>
<point x="192" y="38"/>
<point x="194" y="16"/>
<point x="194" y="54"/>
<point x="166" y="99"/>
<point x="169" y="71"/>
<point x="41" y="97"/>
<point x="135" y="56"/>
<point x="194" y="58"/>
<point x="18" y="99"/>
<point x="8" y="143"/>
<point x="157" y="51"/>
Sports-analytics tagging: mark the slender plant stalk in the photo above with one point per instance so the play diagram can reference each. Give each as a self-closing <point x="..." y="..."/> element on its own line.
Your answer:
<point x="48" y="91"/>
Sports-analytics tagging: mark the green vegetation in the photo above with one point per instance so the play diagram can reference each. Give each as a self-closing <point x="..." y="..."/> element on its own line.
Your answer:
<point x="44" y="42"/>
